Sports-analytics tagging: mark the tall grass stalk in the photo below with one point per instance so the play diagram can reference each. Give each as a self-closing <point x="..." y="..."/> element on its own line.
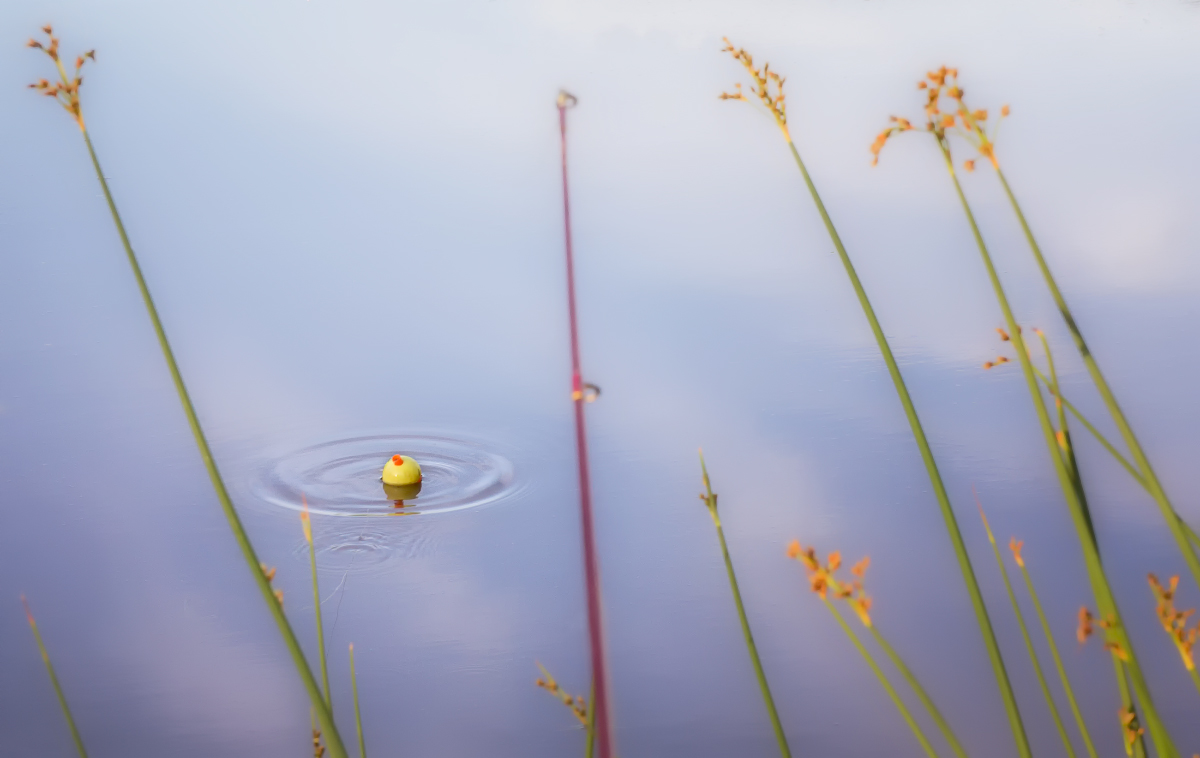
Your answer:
<point x="1153" y="485"/>
<point x="1033" y="658"/>
<point x="362" y="745"/>
<point x="67" y="94"/>
<point x="775" y="103"/>
<point x="62" y="699"/>
<point x="883" y="680"/>
<point x="1058" y="664"/>
<point x="1069" y="482"/>
<point x="710" y="502"/>
<point x="306" y="524"/>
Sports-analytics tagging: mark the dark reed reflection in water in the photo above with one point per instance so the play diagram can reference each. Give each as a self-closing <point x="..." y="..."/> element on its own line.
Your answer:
<point x="286" y="260"/>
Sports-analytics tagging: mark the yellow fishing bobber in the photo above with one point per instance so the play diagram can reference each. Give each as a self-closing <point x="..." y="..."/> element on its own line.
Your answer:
<point x="400" y="470"/>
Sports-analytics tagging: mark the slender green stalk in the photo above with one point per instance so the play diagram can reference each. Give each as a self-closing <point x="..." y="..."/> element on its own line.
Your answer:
<point x="931" y="468"/>
<point x="1131" y="442"/>
<point x="1116" y="454"/>
<point x="62" y="699"/>
<point x="1058" y="664"/>
<point x="1037" y="666"/>
<point x="362" y="745"/>
<point x="1070" y="484"/>
<point x="306" y="523"/>
<point x="922" y="695"/>
<point x="710" y="501"/>
<point x="590" y="746"/>
<point x="332" y="739"/>
<point x="883" y="680"/>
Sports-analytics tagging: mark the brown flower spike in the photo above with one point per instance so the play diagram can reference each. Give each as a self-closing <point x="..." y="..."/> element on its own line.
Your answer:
<point x="941" y="117"/>
<point x="1174" y="622"/>
<point x="822" y="579"/>
<point x="767" y="86"/>
<point x="66" y="89"/>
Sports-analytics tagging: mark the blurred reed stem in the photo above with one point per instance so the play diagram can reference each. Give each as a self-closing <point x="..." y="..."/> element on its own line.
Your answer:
<point x="883" y="680"/>
<point x="1033" y="658"/>
<point x="62" y="699"/>
<point x="1112" y="450"/>
<point x="332" y="739"/>
<point x="710" y="501"/>
<point x="1068" y="480"/>
<point x="1152" y="484"/>
<point x="1058" y="664"/>
<point x="306" y="523"/>
<point x="362" y="745"/>
<point x="922" y="695"/>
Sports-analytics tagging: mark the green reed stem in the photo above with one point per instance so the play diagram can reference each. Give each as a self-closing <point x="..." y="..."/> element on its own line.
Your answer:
<point x="1058" y="664"/>
<point x="710" y="501"/>
<point x="62" y="699"/>
<point x="1069" y="482"/>
<point x="306" y="520"/>
<point x="883" y="680"/>
<point x="1116" y="454"/>
<point x="1131" y="442"/>
<point x="922" y="695"/>
<point x="324" y="715"/>
<point x="362" y="745"/>
<point x="590" y="746"/>
<point x="931" y="468"/>
<point x="1037" y="666"/>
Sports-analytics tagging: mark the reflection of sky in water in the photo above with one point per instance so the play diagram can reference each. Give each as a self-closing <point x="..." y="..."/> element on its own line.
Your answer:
<point x="277" y="165"/>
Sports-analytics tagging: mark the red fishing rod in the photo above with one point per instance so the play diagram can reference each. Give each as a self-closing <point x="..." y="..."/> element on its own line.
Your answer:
<point x="582" y="393"/>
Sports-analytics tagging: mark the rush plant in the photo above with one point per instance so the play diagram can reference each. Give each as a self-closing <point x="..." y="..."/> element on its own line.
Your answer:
<point x="65" y="90"/>
<point x="767" y="90"/>
<point x="940" y="123"/>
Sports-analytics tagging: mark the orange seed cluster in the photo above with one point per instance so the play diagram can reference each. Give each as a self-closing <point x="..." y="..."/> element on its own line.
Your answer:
<point x="823" y="581"/>
<point x="66" y="89"/>
<point x="767" y="86"/>
<point x="1174" y="622"/>
<point x="940" y="117"/>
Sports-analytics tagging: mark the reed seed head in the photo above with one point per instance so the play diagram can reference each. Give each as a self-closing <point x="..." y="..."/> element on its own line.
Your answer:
<point x="767" y="86"/>
<point x="1131" y="730"/>
<point x="1175" y="622"/>
<point x="822" y="579"/>
<point x="1085" y="629"/>
<point x="946" y="112"/>
<point x="269" y="573"/>
<point x="66" y="89"/>
<point x="1015" y="546"/>
<point x="318" y="748"/>
<point x="576" y="703"/>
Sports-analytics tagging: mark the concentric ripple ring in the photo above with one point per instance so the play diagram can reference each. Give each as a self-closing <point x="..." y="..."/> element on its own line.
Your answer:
<point x="342" y="477"/>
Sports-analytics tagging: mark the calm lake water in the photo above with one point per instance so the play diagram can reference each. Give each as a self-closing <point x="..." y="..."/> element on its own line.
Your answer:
<point x="350" y="218"/>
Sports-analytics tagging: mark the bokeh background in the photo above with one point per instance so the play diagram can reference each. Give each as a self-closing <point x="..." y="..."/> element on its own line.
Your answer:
<point x="350" y="215"/>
